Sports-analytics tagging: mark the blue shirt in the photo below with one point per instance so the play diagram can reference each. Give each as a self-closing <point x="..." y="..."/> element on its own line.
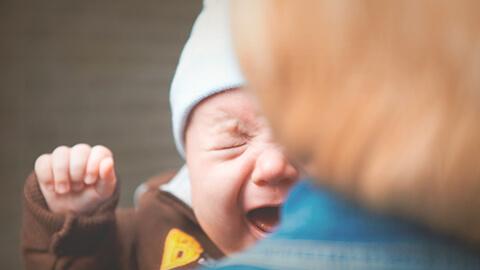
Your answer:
<point x="319" y="230"/>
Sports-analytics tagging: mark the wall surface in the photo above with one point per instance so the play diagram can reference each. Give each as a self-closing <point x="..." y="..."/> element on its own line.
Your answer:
<point x="85" y="71"/>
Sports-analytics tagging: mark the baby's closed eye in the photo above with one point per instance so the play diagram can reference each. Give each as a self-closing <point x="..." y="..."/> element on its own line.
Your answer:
<point x="227" y="149"/>
<point x="230" y="135"/>
<point x="235" y="144"/>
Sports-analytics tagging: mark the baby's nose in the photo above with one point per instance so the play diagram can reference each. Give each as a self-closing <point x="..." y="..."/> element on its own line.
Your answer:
<point x="272" y="168"/>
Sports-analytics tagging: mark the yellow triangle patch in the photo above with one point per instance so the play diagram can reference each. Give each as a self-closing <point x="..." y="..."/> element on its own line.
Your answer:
<point x="180" y="249"/>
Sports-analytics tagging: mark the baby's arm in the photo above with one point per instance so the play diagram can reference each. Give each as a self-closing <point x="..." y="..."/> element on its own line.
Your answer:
<point x="69" y="218"/>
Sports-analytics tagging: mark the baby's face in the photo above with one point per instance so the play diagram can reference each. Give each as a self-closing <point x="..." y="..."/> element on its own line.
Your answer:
<point x="239" y="175"/>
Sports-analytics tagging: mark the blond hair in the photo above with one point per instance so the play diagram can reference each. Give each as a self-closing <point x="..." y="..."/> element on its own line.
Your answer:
<point x="381" y="97"/>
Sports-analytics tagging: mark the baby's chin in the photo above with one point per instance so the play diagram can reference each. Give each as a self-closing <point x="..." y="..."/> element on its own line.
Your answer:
<point x="234" y="245"/>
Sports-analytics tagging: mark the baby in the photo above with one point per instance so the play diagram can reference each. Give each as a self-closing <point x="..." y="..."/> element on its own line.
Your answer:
<point x="225" y="199"/>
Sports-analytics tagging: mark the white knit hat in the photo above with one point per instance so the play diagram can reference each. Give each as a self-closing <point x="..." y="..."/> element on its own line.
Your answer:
<point x="207" y="65"/>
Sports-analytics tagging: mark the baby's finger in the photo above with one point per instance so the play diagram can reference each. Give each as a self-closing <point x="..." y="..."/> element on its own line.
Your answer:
<point x="97" y="154"/>
<point x="108" y="179"/>
<point x="43" y="171"/>
<point x="78" y="164"/>
<point x="61" y="165"/>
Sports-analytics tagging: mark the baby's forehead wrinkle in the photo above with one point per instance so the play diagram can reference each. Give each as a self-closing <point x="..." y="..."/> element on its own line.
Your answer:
<point x="228" y="125"/>
<point x="226" y="119"/>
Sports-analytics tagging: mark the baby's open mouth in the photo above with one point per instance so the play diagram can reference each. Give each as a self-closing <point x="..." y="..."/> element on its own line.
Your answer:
<point x="265" y="218"/>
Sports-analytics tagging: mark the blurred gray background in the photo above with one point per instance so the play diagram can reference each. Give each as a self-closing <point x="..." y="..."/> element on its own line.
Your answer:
<point x="86" y="71"/>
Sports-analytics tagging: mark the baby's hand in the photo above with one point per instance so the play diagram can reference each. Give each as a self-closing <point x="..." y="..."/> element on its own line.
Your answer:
<point x="76" y="179"/>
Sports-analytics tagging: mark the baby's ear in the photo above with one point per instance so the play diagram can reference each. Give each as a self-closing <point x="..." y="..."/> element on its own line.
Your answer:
<point x="186" y="129"/>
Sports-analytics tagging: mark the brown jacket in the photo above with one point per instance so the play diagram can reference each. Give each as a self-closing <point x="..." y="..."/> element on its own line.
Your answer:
<point x="160" y="233"/>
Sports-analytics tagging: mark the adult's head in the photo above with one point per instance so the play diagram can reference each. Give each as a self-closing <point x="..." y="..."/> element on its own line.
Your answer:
<point x="381" y="99"/>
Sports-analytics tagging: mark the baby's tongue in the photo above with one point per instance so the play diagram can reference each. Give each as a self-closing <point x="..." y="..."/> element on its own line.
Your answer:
<point x="264" y="218"/>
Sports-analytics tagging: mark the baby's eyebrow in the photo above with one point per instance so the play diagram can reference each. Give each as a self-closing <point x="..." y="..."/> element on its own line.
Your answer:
<point x="230" y="125"/>
<point x="236" y="123"/>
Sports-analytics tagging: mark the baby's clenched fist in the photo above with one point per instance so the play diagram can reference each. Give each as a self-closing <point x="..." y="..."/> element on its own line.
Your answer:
<point x="77" y="179"/>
